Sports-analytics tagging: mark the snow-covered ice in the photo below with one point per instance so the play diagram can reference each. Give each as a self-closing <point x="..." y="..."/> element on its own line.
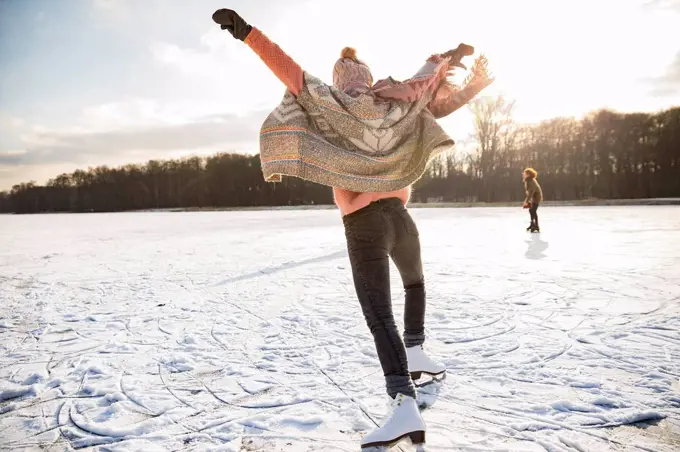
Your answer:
<point x="240" y="331"/>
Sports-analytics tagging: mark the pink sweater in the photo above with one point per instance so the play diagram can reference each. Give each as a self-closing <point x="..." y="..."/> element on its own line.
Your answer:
<point x="290" y="73"/>
<point x="350" y="201"/>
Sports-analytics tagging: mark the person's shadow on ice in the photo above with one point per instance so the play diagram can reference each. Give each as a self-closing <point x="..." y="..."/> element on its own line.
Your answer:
<point x="536" y="247"/>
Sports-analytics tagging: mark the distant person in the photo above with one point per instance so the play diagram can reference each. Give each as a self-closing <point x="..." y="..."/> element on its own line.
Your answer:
<point x="369" y="142"/>
<point x="534" y="197"/>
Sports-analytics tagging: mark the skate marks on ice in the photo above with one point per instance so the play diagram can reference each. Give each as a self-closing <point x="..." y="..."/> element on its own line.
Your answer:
<point x="120" y="340"/>
<point x="153" y="362"/>
<point x="548" y="356"/>
<point x="556" y="380"/>
<point x="285" y="266"/>
<point x="200" y="393"/>
<point x="428" y="390"/>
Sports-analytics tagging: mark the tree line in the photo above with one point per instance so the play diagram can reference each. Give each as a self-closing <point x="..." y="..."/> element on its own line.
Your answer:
<point x="605" y="155"/>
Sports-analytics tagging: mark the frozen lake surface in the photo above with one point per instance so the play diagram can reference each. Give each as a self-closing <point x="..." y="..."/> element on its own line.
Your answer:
<point x="240" y="331"/>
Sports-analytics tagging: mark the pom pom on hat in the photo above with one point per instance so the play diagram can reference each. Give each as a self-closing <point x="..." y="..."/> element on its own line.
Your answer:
<point x="349" y="70"/>
<point x="349" y="52"/>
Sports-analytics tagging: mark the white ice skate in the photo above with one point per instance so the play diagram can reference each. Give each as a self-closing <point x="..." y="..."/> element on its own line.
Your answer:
<point x="419" y="363"/>
<point x="403" y="420"/>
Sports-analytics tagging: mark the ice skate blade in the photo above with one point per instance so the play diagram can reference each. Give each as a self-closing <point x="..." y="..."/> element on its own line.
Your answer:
<point x="433" y="378"/>
<point x="419" y="373"/>
<point x="417" y="438"/>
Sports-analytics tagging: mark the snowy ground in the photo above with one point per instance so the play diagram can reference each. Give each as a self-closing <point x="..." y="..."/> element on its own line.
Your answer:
<point x="240" y="331"/>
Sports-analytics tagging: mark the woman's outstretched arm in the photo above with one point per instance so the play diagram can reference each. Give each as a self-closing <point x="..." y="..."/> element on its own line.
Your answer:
<point x="449" y="98"/>
<point x="283" y="66"/>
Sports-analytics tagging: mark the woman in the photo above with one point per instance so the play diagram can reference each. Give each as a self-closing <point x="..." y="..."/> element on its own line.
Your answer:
<point x="534" y="197"/>
<point x="370" y="142"/>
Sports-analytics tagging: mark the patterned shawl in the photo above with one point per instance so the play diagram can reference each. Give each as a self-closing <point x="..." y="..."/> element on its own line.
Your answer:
<point x="377" y="141"/>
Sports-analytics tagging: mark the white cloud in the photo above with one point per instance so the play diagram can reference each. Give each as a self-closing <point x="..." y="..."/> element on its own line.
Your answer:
<point x="143" y="112"/>
<point x="10" y="121"/>
<point x="93" y="146"/>
<point x="131" y="131"/>
<point x="667" y="85"/>
<point x="222" y="70"/>
<point x="672" y="5"/>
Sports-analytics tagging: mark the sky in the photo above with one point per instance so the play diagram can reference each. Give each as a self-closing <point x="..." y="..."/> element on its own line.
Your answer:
<point x="109" y="82"/>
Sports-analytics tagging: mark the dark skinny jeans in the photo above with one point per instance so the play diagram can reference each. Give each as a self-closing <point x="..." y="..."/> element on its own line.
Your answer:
<point x="382" y="230"/>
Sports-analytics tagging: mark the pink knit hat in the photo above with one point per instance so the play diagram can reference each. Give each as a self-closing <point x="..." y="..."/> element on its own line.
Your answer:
<point x="350" y="72"/>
